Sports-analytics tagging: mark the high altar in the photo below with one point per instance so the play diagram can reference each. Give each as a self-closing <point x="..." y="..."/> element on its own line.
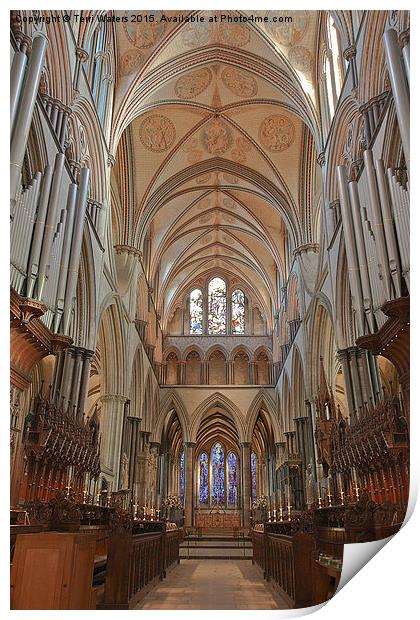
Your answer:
<point x="218" y="519"/>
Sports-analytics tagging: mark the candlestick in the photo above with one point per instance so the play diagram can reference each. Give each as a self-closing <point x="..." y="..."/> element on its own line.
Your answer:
<point x="342" y="496"/>
<point x="135" y="508"/>
<point x="144" y="513"/>
<point x="84" y="496"/>
<point x="98" y="496"/>
<point x="269" y="515"/>
<point x="289" y="511"/>
<point x="275" y="515"/>
<point x="281" y="513"/>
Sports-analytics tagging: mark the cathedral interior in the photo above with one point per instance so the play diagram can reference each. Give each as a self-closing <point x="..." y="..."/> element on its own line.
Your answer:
<point x="209" y="302"/>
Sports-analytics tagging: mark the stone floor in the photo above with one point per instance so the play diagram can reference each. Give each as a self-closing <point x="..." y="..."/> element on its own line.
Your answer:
<point x="213" y="584"/>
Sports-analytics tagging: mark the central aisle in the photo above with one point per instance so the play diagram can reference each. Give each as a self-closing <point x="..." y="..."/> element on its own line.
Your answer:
<point x="213" y="584"/>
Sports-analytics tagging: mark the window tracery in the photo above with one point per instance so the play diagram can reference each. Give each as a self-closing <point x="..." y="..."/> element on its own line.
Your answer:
<point x="196" y="311"/>
<point x="238" y="312"/>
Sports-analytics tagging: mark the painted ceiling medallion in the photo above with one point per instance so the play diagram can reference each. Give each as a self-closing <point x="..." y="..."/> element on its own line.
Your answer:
<point x="130" y="61"/>
<point x="277" y="133"/>
<point x="216" y="137"/>
<point x="285" y="32"/>
<point x="192" y="84"/>
<point x="234" y="35"/>
<point x="196" y="35"/>
<point x="239" y="82"/>
<point x="157" y="133"/>
<point x="301" y="58"/>
<point x="144" y="34"/>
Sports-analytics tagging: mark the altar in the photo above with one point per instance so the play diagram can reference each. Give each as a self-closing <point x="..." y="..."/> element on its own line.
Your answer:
<point x="218" y="519"/>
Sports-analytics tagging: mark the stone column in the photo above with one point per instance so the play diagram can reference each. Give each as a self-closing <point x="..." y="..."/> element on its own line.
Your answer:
<point x="399" y="87"/>
<point x="344" y="361"/>
<point x="350" y="55"/>
<point x="84" y="381"/>
<point x="355" y="379"/>
<point x="111" y="424"/>
<point x="246" y="482"/>
<point x="25" y="112"/>
<point x="189" y="482"/>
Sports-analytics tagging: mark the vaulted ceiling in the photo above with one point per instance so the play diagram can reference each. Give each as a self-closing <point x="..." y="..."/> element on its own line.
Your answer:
<point x="215" y="136"/>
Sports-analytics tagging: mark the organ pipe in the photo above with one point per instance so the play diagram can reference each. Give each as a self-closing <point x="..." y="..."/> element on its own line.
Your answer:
<point x="23" y="118"/>
<point x="38" y="232"/>
<point x="361" y="252"/>
<point x="391" y="243"/>
<point x="351" y="251"/>
<point x="17" y="75"/>
<point x="382" y="253"/>
<point x="50" y="223"/>
<point x="399" y="87"/>
<point x="65" y="254"/>
<point x="76" y="247"/>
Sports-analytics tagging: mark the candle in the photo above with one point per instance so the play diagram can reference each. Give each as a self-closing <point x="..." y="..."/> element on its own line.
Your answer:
<point x="274" y="515"/>
<point x="342" y="496"/>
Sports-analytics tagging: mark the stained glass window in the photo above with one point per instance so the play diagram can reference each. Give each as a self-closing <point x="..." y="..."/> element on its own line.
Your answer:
<point x="217" y="306"/>
<point x="218" y="474"/>
<point x="196" y="311"/>
<point x="232" y="479"/>
<point x="181" y="476"/>
<point x="238" y="312"/>
<point x="204" y="478"/>
<point x="253" y="476"/>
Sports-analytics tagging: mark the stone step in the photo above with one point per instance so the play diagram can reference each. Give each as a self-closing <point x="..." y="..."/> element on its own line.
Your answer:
<point x="215" y="554"/>
<point x="214" y="544"/>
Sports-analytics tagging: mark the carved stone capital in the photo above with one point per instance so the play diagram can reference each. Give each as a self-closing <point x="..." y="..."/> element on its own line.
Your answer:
<point x="349" y="53"/>
<point x="81" y="54"/>
<point x="321" y="158"/>
<point x="404" y="38"/>
<point x="128" y="249"/>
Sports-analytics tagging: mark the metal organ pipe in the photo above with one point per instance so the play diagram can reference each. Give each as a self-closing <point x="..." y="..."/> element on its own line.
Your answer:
<point x="65" y="255"/>
<point x="401" y="211"/>
<point x="361" y="252"/>
<point x="382" y="254"/>
<point x="17" y="75"/>
<point x="391" y="244"/>
<point x="351" y="252"/>
<point x="38" y="232"/>
<point x="399" y="87"/>
<point x="50" y="223"/>
<point x="25" y="112"/>
<point x="76" y="247"/>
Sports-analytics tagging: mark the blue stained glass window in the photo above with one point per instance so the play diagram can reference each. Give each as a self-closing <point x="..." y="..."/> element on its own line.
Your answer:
<point x="218" y="474"/>
<point x="204" y="478"/>
<point x="232" y="478"/>
<point x="181" y="476"/>
<point x="254" y="476"/>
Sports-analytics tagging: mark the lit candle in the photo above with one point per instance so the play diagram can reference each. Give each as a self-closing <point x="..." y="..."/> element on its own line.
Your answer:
<point x="269" y="515"/>
<point x="274" y="515"/>
<point x="144" y="513"/>
<point x="281" y="513"/>
<point x="342" y="496"/>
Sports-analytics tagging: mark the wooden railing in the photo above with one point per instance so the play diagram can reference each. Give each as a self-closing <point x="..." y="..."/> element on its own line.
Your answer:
<point x="287" y="560"/>
<point x="136" y="559"/>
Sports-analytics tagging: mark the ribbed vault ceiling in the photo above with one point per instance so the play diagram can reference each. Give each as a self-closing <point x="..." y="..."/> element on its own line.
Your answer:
<point x="216" y="127"/>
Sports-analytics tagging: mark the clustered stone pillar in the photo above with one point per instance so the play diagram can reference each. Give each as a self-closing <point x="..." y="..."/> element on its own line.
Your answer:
<point x="189" y="482"/>
<point x="111" y="422"/>
<point x="246" y="482"/>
